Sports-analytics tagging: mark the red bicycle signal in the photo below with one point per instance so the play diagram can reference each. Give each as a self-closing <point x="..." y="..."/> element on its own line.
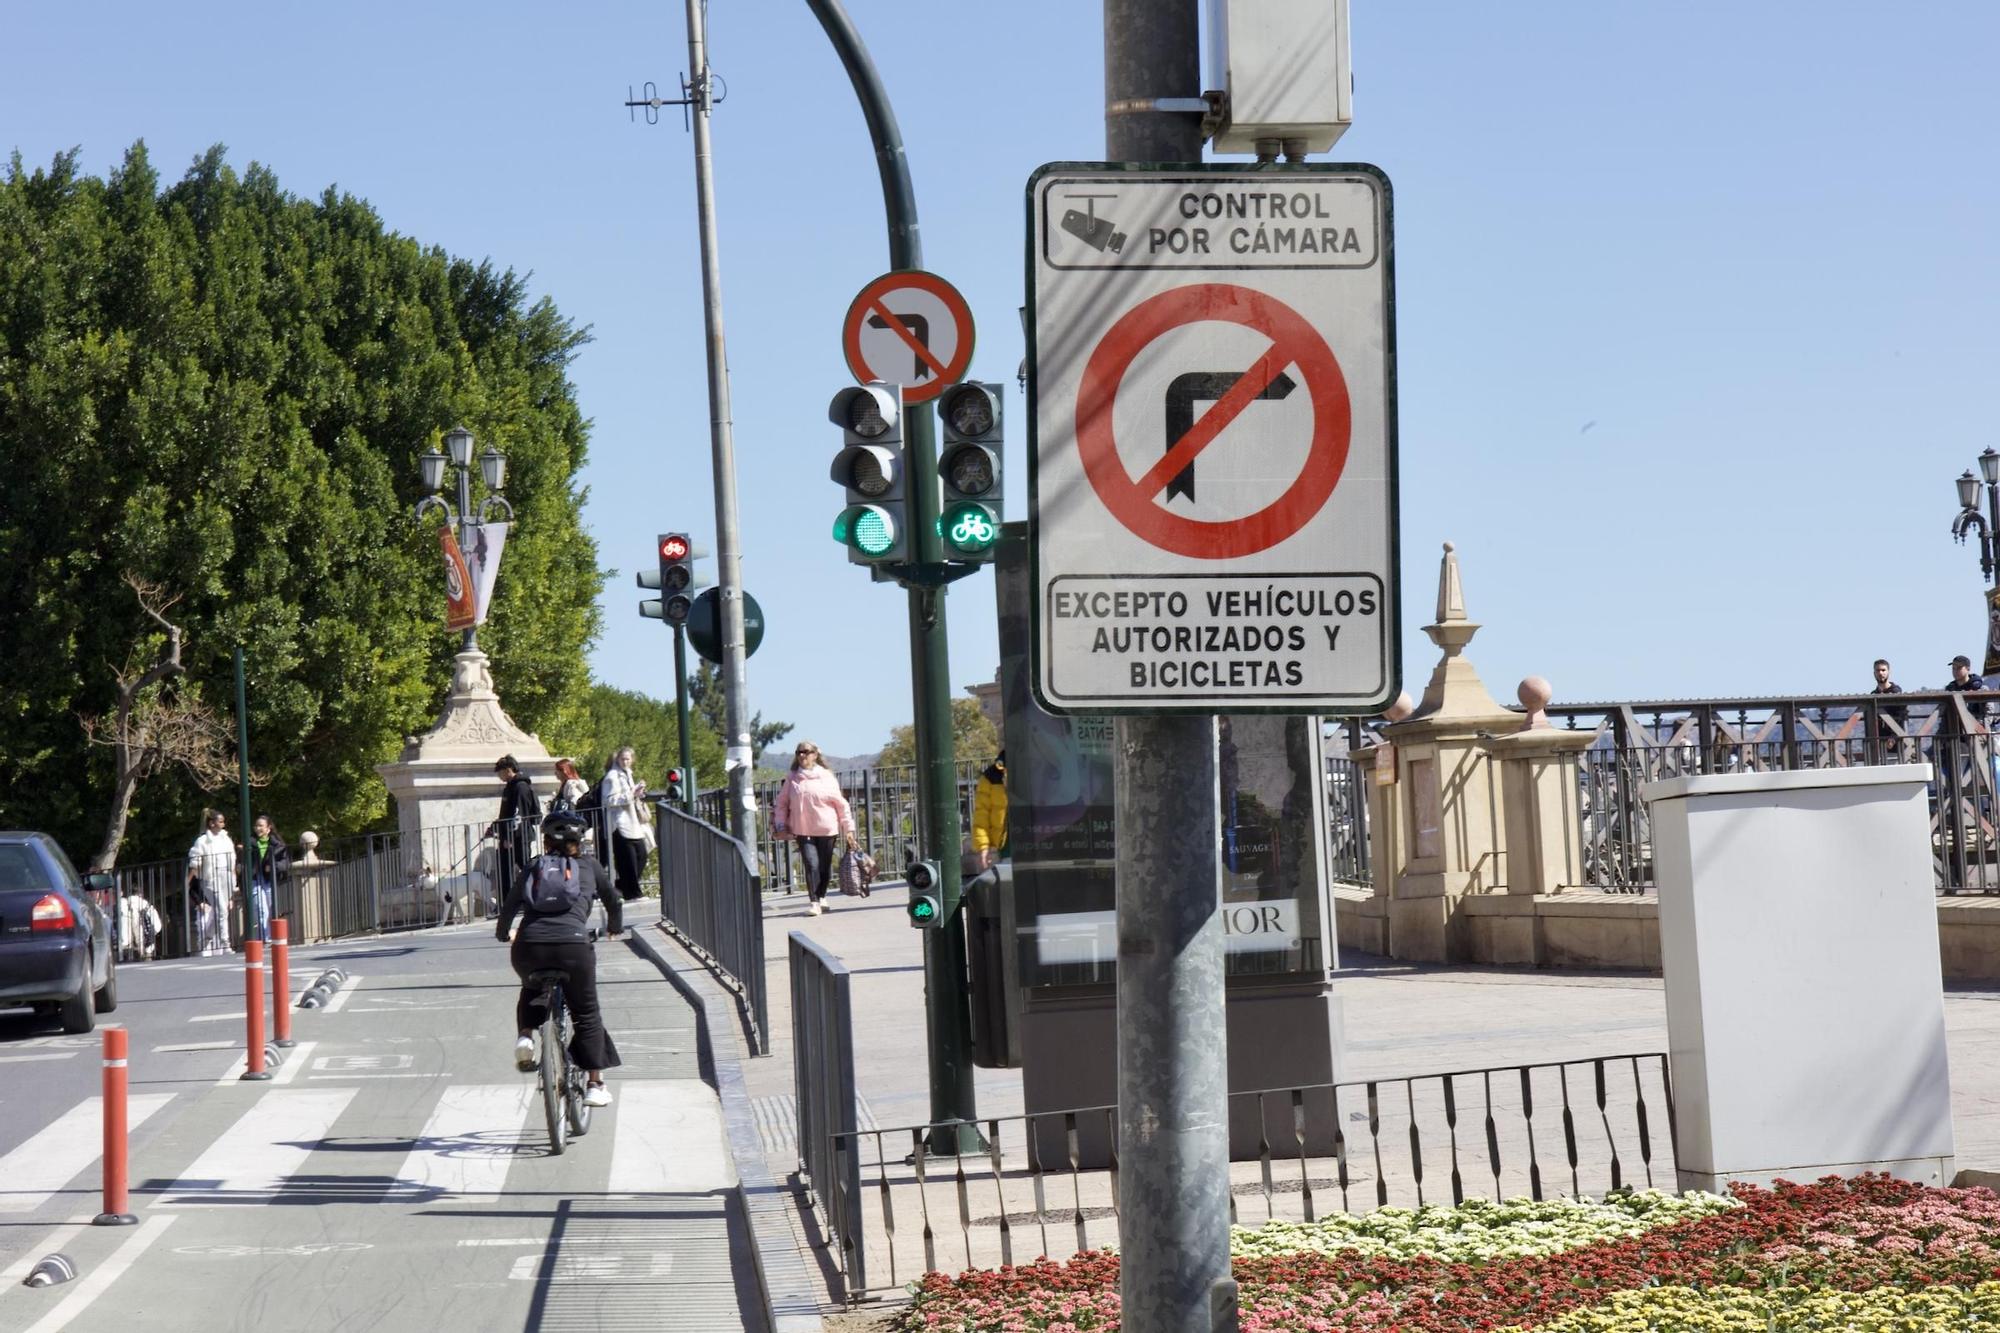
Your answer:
<point x="674" y="547"/>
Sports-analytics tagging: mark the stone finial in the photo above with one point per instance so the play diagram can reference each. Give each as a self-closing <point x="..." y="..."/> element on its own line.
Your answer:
<point x="1400" y="709"/>
<point x="1534" y="694"/>
<point x="1451" y="589"/>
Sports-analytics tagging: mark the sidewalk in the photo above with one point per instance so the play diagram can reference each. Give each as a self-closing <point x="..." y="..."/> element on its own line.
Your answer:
<point x="1400" y="1019"/>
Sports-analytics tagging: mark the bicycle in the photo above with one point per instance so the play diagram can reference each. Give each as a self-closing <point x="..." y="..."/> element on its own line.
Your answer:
<point x="563" y="1084"/>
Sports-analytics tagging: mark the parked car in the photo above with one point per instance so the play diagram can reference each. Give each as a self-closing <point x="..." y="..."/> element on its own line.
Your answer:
<point x="55" y="941"/>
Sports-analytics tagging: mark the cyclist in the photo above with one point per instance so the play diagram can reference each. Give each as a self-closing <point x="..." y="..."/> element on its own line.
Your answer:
<point x="552" y="896"/>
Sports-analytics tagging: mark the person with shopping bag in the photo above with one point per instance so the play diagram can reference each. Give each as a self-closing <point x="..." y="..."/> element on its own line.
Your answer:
<point x="811" y="809"/>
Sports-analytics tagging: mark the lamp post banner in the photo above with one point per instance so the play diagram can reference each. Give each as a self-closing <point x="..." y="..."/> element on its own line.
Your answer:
<point x="482" y="558"/>
<point x="460" y="614"/>
<point x="1992" y="633"/>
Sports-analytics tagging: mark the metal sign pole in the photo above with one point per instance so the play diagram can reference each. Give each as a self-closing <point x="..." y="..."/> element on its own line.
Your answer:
<point x="1173" y="1074"/>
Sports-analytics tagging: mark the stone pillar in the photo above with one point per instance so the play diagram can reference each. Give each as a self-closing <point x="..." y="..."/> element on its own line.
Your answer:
<point x="1449" y="810"/>
<point x="444" y="785"/>
<point x="1538" y="789"/>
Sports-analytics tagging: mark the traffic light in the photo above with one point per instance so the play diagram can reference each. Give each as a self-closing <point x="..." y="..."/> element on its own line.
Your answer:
<point x="926" y="905"/>
<point x="874" y="526"/>
<point x="676" y="577"/>
<point x="677" y="787"/>
<point x="970" y="506"/>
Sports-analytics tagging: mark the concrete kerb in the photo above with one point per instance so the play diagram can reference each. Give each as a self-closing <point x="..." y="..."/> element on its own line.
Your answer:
<point x="791" y="1299"/>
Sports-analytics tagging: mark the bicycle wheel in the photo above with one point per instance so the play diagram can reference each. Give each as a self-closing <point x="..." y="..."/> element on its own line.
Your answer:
<point x="555" y="1073"/>
<point x="575" y="1082"/>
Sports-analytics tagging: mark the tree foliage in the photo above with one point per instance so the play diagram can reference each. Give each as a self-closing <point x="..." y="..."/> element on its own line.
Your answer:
<point x="705" y="698"/>
<point x="222" y="390"/>
<point x="614" y="718"/>
<point x="974" y="739"/>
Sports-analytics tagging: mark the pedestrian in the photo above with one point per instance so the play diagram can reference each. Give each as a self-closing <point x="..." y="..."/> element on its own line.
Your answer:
<point x="1889" y="737"/>
<point x="1964" y="682"/>
<point x="570" y="787"/>
<point x="270" y="861"/>
<point x="212" y="883"/>
<point x="631" y="837"/>
<point x="520" y="815"/>
<point x="989" y="819"/>
<point x="811" y="809"/>
<point x="139" y="926"/>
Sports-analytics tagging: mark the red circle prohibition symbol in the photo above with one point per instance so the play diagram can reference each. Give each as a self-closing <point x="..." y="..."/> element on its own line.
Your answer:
<point x="872" y="302"/>
<point x="1134" y="501"/>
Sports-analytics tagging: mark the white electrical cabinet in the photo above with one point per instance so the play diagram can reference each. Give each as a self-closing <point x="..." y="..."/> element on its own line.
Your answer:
<point x="1282" y="68"/>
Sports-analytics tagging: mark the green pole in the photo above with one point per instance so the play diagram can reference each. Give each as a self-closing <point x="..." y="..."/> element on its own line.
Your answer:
<point x="947" y="1008"/>
<point x="681" y="717"/>
<point x="243" y="788"/>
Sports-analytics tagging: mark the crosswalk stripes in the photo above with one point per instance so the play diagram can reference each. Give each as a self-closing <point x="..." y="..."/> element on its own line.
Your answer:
<point x="64" y="1149"/>
<point x="666" y="1130"/>
<point x="472" y="1137"/>
<point x="265" y="1152"/>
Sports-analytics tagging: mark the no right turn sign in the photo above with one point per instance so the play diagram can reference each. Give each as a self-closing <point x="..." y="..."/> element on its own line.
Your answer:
<point x="1212" y="467"/>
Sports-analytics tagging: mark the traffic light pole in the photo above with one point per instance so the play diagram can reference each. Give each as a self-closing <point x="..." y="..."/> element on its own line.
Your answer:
<point x="681" y="715"/>
<point x="1173" y="1073"/>
<point x="739" y="761"/>
<point x="948" y="1009"/>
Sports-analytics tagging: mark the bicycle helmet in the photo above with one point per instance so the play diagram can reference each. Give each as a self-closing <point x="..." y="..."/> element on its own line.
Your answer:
<point x="564" y="828"/>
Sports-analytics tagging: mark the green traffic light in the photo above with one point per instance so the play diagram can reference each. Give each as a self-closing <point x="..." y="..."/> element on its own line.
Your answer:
<point x="969" y="528"/>
<point x="923" y="911"/>
<point x="869" y="529"/>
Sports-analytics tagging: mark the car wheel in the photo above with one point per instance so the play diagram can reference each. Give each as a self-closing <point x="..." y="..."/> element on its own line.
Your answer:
<point x="107" y="994"/>
<point x="78" y="1015"/>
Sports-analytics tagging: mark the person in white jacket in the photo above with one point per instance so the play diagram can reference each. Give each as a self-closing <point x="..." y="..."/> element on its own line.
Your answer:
<point x="212" y="877"/>
<point x="631" y="841"/>
<point x="138" y="927"/>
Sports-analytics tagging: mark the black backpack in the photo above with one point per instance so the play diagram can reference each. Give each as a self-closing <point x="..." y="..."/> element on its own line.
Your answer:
<point x="553" y="885"/>
<point x="592" y="799"/>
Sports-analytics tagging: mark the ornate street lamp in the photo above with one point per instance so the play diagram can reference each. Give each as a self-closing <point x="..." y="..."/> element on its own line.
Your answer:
<point x="457" y="457"/>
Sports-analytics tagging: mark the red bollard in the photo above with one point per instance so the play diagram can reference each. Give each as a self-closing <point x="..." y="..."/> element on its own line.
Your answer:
<point x="281" y="984"/>
<point x="253" y="1009"/>
<point x="115" y="1203"/>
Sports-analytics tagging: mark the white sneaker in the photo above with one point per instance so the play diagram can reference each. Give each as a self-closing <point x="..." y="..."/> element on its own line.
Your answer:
<point x="814" y="910"/>
<point x="597" y="1095"/>
<point x="524" y="1054"/>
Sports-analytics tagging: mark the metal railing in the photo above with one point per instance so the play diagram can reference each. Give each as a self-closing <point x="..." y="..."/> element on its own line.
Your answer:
<point x="1347" y="820"/>
<point x="1577" y="1128"/>
<point x="711" y="901"/>
<point x="1638" y="743"/>
<point x="884" y="801"/>
<point x="823" y="1076"/>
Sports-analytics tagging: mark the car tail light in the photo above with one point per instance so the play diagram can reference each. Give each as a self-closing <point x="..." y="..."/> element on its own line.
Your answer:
<point x="52" y="913"/>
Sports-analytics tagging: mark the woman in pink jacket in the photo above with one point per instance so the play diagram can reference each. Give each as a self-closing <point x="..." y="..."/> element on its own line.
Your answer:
<point x="810" y="808"/>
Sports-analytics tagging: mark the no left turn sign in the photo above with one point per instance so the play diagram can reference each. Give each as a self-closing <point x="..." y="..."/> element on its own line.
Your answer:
<point x="1212" y="480"/>
<point x="909" y="328"/>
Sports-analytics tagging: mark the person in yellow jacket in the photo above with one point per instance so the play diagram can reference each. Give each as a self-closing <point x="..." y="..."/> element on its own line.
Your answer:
<point x="989" y="817"/>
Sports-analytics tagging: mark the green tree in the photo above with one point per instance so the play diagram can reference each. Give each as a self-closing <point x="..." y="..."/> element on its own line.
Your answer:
<point x="613" y="718"/>
<point x="705" y="699"/>
<point x="974" y="739"/>
<point x="221" y="390"/>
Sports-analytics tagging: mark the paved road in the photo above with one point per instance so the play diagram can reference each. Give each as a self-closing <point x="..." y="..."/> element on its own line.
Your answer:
<point x="394" y="1175"/>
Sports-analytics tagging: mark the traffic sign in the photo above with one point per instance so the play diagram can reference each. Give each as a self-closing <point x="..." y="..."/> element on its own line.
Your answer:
<point x="704" y="625"/>
<point x="1212" y="459"/>
<point x="909" y="328"/>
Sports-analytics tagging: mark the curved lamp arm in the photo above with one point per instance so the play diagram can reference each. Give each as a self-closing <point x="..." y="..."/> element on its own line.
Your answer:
<point x="492" y="502"/>
<point x="430" y="502"/>
<point x="1970" y="520"/>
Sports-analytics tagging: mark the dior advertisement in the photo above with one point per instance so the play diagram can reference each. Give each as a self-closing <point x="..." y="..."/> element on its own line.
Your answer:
<point x="1060" y="825"/>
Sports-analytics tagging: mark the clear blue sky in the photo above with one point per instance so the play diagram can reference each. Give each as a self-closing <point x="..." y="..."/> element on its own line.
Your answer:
<point x="1753" y="244"/>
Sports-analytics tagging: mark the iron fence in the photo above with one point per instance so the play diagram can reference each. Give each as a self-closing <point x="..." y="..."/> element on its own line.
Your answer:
<point x="1347" y="820"/>
<point x="1579" y="1128"/>
<point x="823" y="1076"/>
<point x="884" y="801"/>
<point x="1638" y="743"/>
<point x="710" y="899"/>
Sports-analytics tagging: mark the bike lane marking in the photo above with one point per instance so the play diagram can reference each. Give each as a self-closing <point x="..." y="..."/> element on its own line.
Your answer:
<point x="96" y="1281"/>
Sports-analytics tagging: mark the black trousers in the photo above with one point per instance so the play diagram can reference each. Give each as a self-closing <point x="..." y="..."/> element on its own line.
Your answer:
<point x="591" y="1046"/>
<point x="630" y="856"/>
<point x="817" y="853"/>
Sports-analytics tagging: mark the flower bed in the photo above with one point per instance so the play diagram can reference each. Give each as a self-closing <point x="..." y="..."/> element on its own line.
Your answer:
<point x="1865" y="1253"/>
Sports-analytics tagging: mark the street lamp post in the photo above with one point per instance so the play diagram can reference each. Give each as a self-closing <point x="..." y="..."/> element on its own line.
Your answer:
<point x="1987" y="525"/>
<point x="431" y="466"/>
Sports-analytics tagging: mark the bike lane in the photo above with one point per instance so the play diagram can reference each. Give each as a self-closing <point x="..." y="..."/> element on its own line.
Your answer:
<point x="395" y="1173"/>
